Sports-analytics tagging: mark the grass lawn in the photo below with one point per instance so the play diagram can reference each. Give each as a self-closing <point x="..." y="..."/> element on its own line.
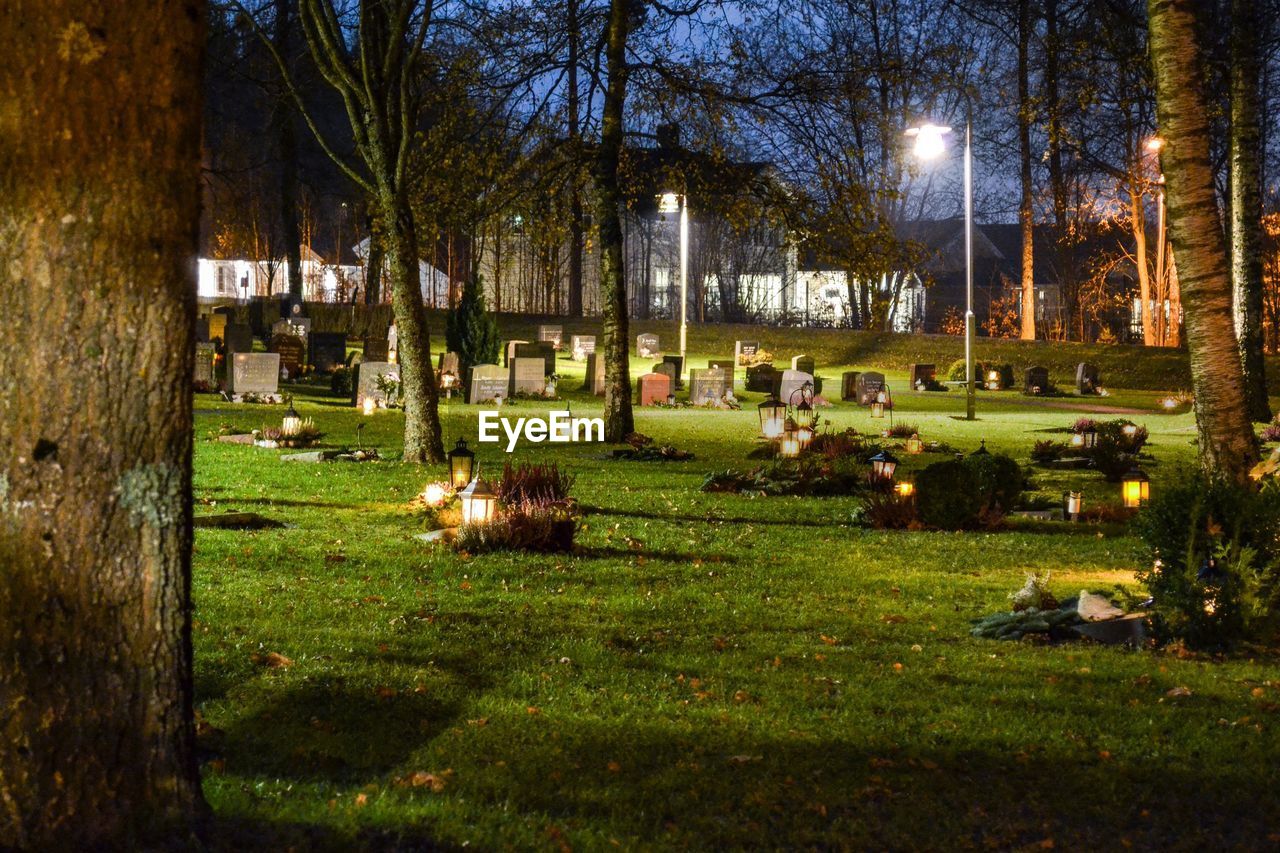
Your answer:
<point x="709" y="671"/>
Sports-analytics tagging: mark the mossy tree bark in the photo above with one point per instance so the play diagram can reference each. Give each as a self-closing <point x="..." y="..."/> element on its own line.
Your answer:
<point x="99" y="210"/>
<point x="618" y="418"/>
<point x="1246" y="203"/>
<point x="1026" y="202"/>
<point x="1227" y="443"/>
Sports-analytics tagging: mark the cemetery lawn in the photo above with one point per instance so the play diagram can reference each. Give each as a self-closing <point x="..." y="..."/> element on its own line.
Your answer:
<point x="708" y="671"/>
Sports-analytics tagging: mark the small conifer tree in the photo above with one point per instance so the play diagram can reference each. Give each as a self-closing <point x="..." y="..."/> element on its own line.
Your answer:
<point x="471" y="330"/>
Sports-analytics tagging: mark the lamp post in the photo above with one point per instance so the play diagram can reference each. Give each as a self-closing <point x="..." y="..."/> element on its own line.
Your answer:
<point x="929" y="145"/>
<point x="670" y="202"/>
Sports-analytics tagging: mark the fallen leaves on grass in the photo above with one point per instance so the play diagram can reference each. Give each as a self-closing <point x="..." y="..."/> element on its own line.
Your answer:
<point x="1177" y="692"/>
<point x="424" y="779"/>
<point x="271" y="660"/>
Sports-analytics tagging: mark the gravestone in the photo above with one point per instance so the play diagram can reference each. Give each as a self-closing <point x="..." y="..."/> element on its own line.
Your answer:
<point x="762" y="378"/>
<point x="923" y="376"/>
<point x="393" y="340"/>
<point x="849" y="385"/>
<point x="581" y="346"/>
<point x="727" y="365"/>
<point x="237" y="338"/>
<point x="203" y="373"/>
<point x="527" y="377"/>
<point x="291" y="306"/>
<point x="510" y="352"/>
<point x="553" y="335"/>
<point x="449" y="363"/>
<point x="869" y="385"/>
<point x="677" y="362"/>
<point x="668" y="370"/>
<point x="291" y="352"/>
<point x="647" y="346"/>
<point x="376" y="350"/>
<point x="486" y="382"/>
<point x="707" y="386"/>
<point x="366" y="381"/>
<point x="543" y="350"/>
<point x="1036" y="380"/>
<point x="595" y="374"/>
<point x="792" y="382"/>
<point x="326" y="351"/>
<point x="803" y="363"/>
<point x="217" y="327"/>
<point x="744" y="351"/>
<point x="294" y="326"/>
<point x="653" y="389"/>
<point x="256" y="373"/>
<point x="1087" y="380"/>
<point x="202" y="330"/>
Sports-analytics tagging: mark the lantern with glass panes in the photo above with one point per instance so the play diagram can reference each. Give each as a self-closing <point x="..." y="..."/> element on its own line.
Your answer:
<point x="447" y="383"/>
<point x="461" y="463"/>
<point x="773" y="416"/>
<point x="1072" y="504"/>
<point x="1135" y="488"/>
<point x="883" y="464"/>
<point x="789" y="446"/>
<point x="905" y="489"/>
<point x="914" y="445"/>
<point x="292" y="423"/>
<point x="800" y="409"/>
<point x="993" y="380"/>
<point x="1085" y="439"/>
<point x="883" y="400"/>
<point x="479" y="503"/>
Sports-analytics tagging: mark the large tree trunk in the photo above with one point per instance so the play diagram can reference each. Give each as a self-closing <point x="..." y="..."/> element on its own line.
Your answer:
<point x="374" y="264"/>
<point x="1026" y="204"/>
<point x="287" y="142"/>
<point x="575" y="189"/>
<point x="1067" y="277"/>
<point x="1138" y="227"/>
<point x="422" y="441"/>
<point x="99" y="208"/>
<point x="1246" y="203"/>
<point x="618" y="418"/>
<point x="1227" y="444"/>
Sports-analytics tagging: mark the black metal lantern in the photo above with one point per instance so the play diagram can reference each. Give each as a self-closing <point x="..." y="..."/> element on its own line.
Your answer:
<point x="461" y="463"/>
<point x="1135" y="488"/>
<point x="1090" y="438"/>
<point x="883" y="464"/>
<point x="982" y="449"/>
<point x="772" y="417"/>
<point x="789" y="447"/>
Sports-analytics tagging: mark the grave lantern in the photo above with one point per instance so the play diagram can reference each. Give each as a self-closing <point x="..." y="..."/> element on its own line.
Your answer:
<point x="1130" y="430"/>
<point x="370" y="405"/>
<point x="291" y="423"/>
<point x="1077" y="439"/>
<point x="447" y="382"/>
<point x="804" y="435"/>
<point x="789" y="447"/>
<point x="883" y="464"/>
<point x="479" y="503"/>
<point x="1090" y="437"/>
<point x="877" y="406"/>
<point x="993" y="380"/>
<point x="1072" y="503"/>
<point x="905" y="489"/>
<point x="982" y="449"/>
<point x="772" y="417"/>
<point x="914" y="444"/>
<point x="671" y="399"/>
<point x="461" y="463"/>
<point x="434" y="494"/>
<point x="1135" y="488"/>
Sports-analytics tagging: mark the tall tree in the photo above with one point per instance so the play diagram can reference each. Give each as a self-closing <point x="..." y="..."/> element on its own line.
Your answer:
<point x="1026" y="201"/>
<point x="1227" y="443"/>
<point x="99" y="211"/>
<point x="576" y="230"/>
<point x="377" y="72"/>
<point x="1246" y="202"/>
<point x="283" y="117"/>
<point x="618" y="417"/>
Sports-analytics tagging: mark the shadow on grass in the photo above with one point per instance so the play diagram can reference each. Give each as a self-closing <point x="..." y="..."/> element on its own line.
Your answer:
<point x="287" y="502"/>
<point x="680" y="557"/>
<point x="702" y="519"/>
<point x="232" y="835"/>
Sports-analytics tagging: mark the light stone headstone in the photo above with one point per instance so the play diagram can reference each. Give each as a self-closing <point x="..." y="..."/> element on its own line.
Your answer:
<point x="528" y="376"/>
<point x="366" y="381"/>
<point x="553" y="335"/>
<point x="668" y="370"/>
<point x="803" y="363"/>
<point x="793" y="381"/>
<point x="727" y="365"/>
<point x="647" y="346"/>
<point x="256" y="373"/>
<point x="653" y="388"/>
<point x="486" y="382"/>
<point x="707" y="386"/>
<point x="449" y="363"/>
<point x="595" y="374"/>
<point x="582" y="346"/>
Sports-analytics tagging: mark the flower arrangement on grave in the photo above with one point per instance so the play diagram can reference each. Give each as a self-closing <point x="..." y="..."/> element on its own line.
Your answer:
<point x="438" y="504"/>
<point x="761" y="356"/>
<point x="305" y="435"/>
<point x="391" y="391"/>
<point x="552" y="381"/>
<point x="536" y="512"/>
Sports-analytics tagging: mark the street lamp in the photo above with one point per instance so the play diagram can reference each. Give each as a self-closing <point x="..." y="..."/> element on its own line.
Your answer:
<point x="930" y="143"/>
<point x="671" y="202"/>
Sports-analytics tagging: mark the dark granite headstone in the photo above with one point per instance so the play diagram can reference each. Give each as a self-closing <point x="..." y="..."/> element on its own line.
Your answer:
<point x="291" y="351"/>
<point x="237" y="338"/>
<point x="509" y="352"/>
<point x="923" y="376"/>
<point x="762" y="378"/>
<point x="727" y="365"/>
<point x="869" y="385"/>
<point x="744" y="351"/>
<point x="1087" y="379"/>
<point x="376" y="349"/>
<point x="202" y="330"/>
<point x="326" y="351"/>
<point x="803" y="363"/>
<point x="1036" y="380"/>
<point x="849" y="385"/>
<point x="647" y="346"/>
<point x="668" y="370"/>
<point x="676" y="362"/>
<point x="544" y="350"/>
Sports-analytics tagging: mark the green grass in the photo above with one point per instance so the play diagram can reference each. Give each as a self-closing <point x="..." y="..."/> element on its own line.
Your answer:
<point x="710" y="671"/>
